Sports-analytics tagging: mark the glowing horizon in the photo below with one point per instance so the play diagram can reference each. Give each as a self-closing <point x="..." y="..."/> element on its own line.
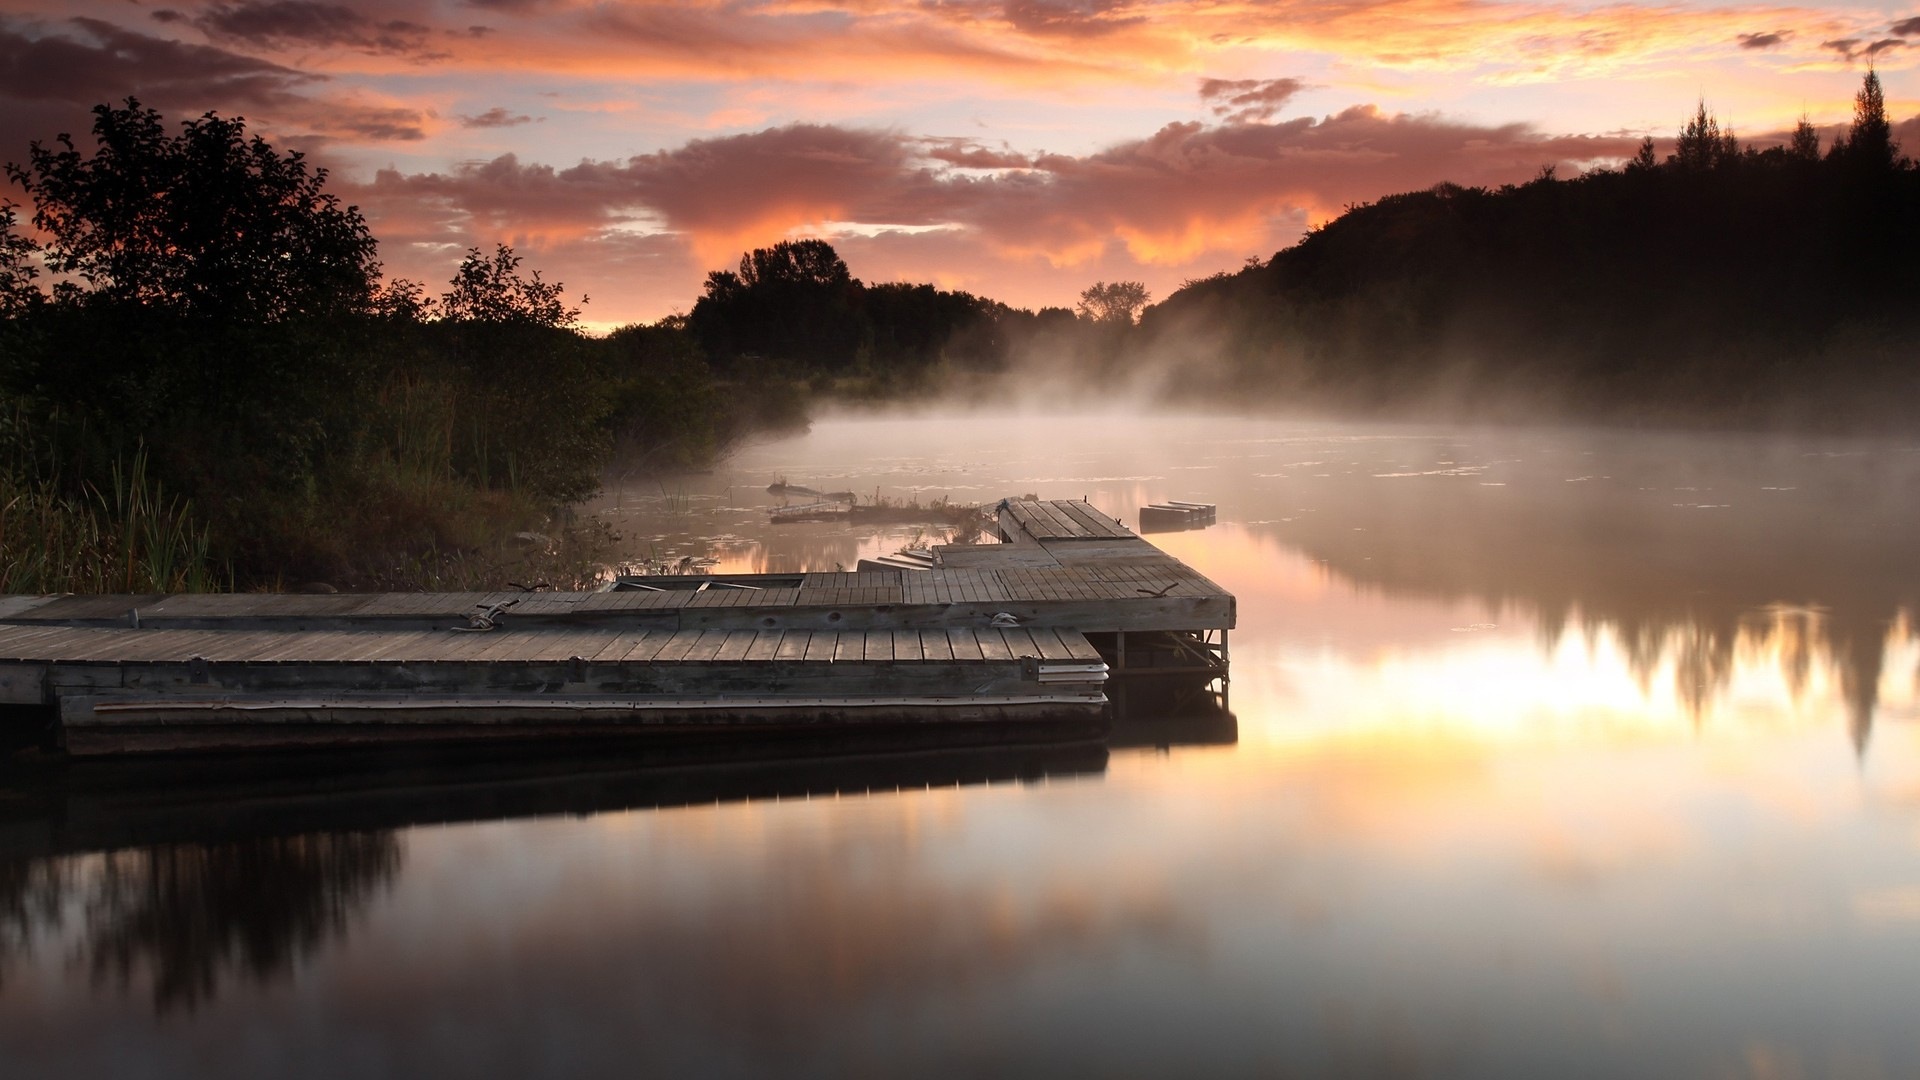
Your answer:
<point x="1019" y="150"/>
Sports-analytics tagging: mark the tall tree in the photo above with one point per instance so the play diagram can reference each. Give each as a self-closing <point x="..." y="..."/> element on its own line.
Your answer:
<point x="795" y="301"/>
<point x="206" y="222"/>
<point x="1805" y="144"/>
<point x="795" y="262"/>
<point x="1702" y="144"/>
<point x="1868" y="143"/>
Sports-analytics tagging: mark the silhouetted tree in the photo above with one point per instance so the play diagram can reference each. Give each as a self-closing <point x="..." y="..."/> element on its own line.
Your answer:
<point x="17" y="269"/>
<point x="1118" y="303"/>
<point x="1868" y="144"/>
<point x="793" y="302"/>
<point x="1805" y="145"/>
<point x="795" y="263"/>
<point x="1702" y="145"/>
<point x="206" y="222"/>
<point x="490" y="289"/>
<point x="1644" y="159"/>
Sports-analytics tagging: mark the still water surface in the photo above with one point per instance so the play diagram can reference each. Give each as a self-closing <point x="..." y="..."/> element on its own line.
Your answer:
<point x="1557" y="754"/>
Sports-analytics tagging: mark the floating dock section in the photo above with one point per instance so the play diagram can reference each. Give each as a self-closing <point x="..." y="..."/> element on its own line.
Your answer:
<point x="1174" y="516"/>
<point x="1004" y="642"/>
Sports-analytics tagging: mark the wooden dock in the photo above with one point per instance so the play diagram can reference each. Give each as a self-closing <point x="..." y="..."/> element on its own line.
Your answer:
<point x="1020" y="636"/>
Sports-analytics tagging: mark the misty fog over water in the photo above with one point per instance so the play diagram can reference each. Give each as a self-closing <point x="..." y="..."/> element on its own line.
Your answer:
<point x="1556" y="752"/>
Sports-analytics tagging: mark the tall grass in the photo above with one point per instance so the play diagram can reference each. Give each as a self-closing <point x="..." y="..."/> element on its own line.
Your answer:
<point x="128" y="537"/>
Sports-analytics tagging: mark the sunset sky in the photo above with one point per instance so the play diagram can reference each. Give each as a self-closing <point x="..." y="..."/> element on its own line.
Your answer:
<point x="1018" y="149"/>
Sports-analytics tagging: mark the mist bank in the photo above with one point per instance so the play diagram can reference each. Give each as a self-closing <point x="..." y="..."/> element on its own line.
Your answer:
<point x="1765" y="290"/>
<point x="1720" y="286"/>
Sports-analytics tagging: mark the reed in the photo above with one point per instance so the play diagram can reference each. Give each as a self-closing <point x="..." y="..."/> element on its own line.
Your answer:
<point x="127" y="537"/>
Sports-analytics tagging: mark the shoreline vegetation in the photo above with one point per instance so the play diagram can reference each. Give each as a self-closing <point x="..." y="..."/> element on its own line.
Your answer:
<point x="206" y="382"/>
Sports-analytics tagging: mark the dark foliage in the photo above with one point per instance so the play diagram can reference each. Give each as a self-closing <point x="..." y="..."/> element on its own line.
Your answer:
<point x="216" y="315"/>
<point x="206" y="222"/>
<point x="1720" y="286"/>
<point x="795" y="309"/>
<point x="794" y="303"/>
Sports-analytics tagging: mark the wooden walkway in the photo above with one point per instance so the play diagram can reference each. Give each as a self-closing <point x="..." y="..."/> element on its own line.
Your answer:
<point x="988" y="632"/>
<point x="71" y="645"/>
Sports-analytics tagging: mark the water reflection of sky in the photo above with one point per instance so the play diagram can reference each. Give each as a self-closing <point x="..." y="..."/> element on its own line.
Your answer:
<point x="1561" y="777"/>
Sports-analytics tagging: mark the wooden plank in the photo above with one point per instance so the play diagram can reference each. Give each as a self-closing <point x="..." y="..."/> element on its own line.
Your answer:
<point x="70" y="643"/>
<point x="993" y="644"/>
<point x="822" y="644"/>
<point x="766" y="645"/>
<point x="1049" y="644"/>
<point x="936" y="645"/>
<point x="24" y="644"/>
<point x="295" y="645"/>
<point x="648" y="646"/>
<point x="564" y="644"/>
<point x="400" y="648"/>
<point x="618" y="646"/>
<point x="793" y="646"/>
<point x="678" y="646"/>
<point x="1099" y="523"/>
<point x="1020" y="642"/>
<point x="906" y="645"/>
<point x="735" y="648"/>
<point x="1063" y="523"/>
<point x="877" y="645"/>
<point x="707" y="649"/>
<point x="965" y="642"/>
<point x="850" y="646"/>
<point x="1079" y="648"/>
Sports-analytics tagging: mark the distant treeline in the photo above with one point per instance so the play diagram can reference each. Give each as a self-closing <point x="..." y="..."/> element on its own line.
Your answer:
<point x="1723" y="284"/>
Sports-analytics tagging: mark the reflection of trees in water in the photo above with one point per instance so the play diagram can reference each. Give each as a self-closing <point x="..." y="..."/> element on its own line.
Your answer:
<point x="1684" y="549"/>
<point x="189" y="914"/>
<point x="31" y="892"/>
<point x="1703" y="651"/>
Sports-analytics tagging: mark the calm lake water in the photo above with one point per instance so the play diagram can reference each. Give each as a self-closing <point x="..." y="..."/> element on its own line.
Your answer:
<point x="1554" y="755"/>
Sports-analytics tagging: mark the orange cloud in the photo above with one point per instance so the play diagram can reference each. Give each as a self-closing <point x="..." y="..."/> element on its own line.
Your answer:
<point x="1011" y="43"/>
<point x="1187" y="192"/>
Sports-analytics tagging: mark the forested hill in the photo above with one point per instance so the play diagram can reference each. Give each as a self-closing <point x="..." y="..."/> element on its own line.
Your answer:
<point x="1719" y="285"/>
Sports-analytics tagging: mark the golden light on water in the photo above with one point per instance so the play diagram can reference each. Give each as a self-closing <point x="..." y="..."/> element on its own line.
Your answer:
<point x="1319" y="655"/>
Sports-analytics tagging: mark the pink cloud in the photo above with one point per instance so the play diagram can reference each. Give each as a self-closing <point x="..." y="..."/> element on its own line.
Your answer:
<point x="1188" y="195"/>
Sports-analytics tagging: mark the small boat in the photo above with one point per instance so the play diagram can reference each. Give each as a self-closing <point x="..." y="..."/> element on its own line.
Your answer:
<point x="813" y="511"/>
<point x="1172" y="516"/>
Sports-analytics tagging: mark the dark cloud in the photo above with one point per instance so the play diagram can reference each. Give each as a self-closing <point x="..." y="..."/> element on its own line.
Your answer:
<point x="1067" y="18"/>
<point x="969" y="154"/>
<point x="512" y="7"/>
<point x="797" y="173"/>
<point x="281" y="23"/>
<point x="48" y="84"/>
<point x="1855" y="49"/>
<point x="1765" y="41"/>
<point x="168" y="15"/>
<point x="498" y="198"/>
<point x="108" y="63"/>
<point x="1906" y="27"/>
<point x="1246" y="101"/>
<point x="495" y="117"/>
<point x="1183" y="189"/>
<point x="366" y="123"/>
